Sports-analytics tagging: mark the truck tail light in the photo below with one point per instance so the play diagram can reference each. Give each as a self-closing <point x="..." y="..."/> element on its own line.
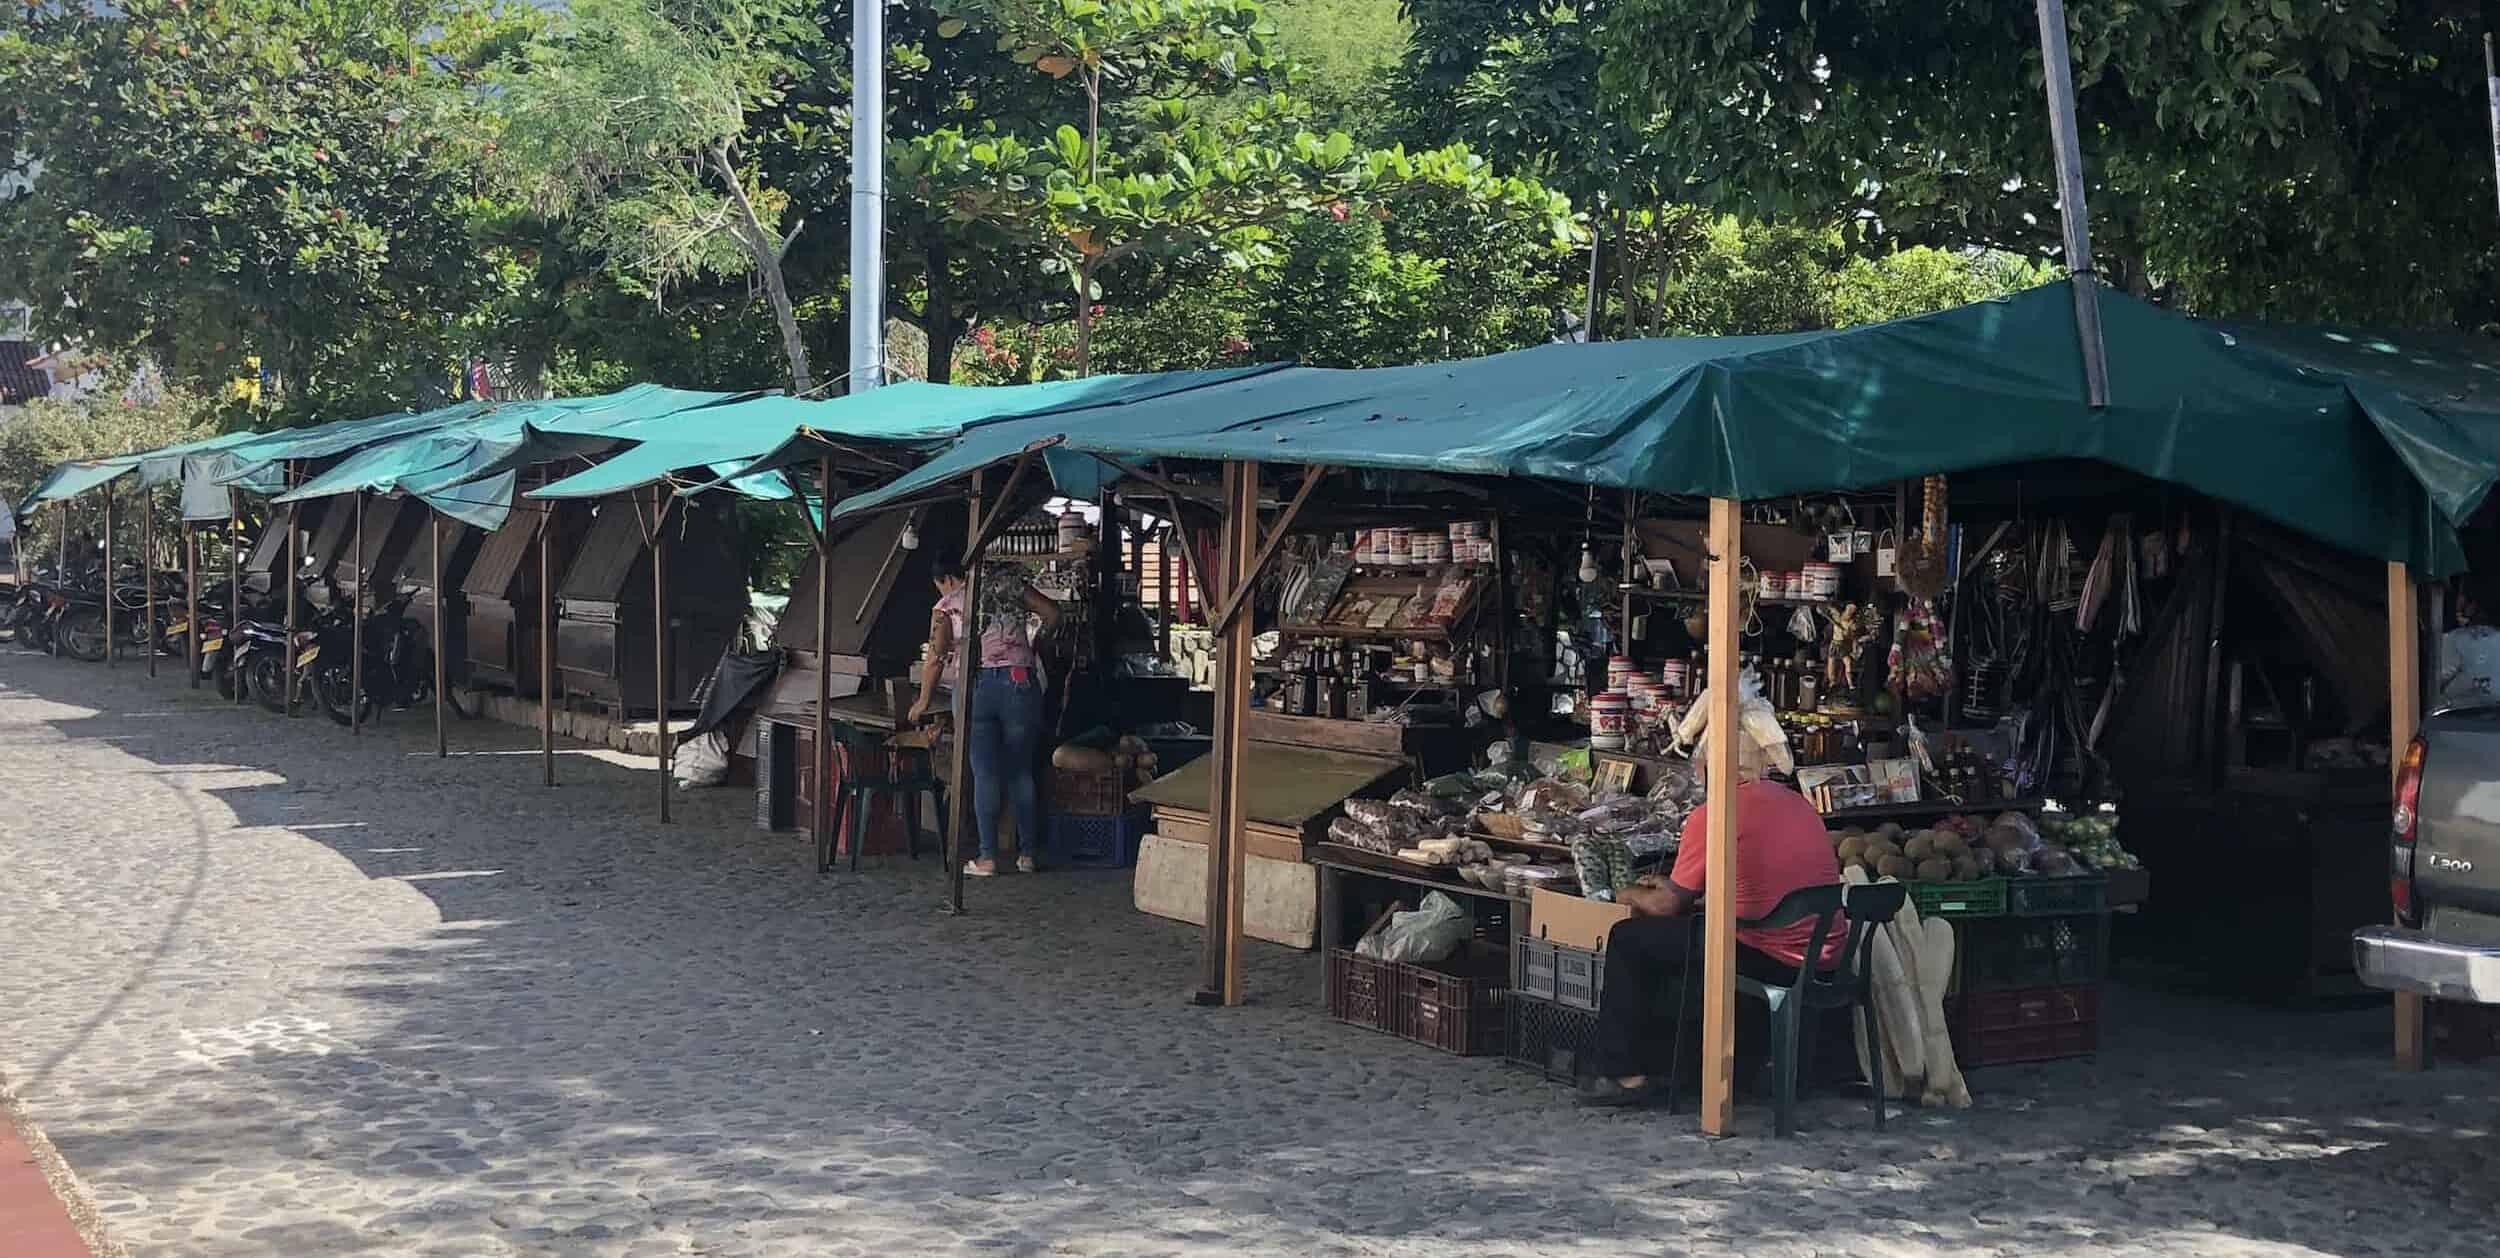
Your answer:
<point x="2406" y="825"/>
<point x="2409" y="794"/>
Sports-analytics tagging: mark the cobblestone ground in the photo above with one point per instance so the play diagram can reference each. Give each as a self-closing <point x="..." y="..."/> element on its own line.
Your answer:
<point x="276" y="991"/>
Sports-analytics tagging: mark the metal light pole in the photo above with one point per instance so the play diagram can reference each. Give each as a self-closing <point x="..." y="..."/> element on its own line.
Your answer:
<point x="2491" y="91"/>
<point x="2057" y="72"/>
<point x="868" y="195"/>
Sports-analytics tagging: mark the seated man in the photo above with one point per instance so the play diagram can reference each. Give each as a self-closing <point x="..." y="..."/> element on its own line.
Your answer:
<point x="1780" y="846"/>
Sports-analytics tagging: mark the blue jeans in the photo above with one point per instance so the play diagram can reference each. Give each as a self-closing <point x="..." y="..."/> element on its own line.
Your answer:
<point x="1006" y="721"/>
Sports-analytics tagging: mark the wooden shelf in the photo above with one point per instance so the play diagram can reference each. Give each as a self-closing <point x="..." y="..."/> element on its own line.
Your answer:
<point x="1932" y="808"/>
<point x="1437" y="877"/>
<point x="1697" y="596"/>
<point x="1366" y="633"/>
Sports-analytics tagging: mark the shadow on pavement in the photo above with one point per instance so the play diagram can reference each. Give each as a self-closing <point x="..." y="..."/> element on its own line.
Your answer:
<point x="607" y="1033"/>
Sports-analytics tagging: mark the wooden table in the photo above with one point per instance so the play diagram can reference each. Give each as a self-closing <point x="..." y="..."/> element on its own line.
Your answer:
<point x="1336" y="862"/>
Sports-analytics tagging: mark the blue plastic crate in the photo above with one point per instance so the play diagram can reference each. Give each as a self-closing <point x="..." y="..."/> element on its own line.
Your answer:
<point x="1096" y="842"/>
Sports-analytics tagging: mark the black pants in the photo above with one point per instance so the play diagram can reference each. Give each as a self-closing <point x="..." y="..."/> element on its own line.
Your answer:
<point x="1646" y="960"/>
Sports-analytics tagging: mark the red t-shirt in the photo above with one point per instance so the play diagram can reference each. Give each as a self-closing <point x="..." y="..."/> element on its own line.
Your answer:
<point x="1780" y="846"/>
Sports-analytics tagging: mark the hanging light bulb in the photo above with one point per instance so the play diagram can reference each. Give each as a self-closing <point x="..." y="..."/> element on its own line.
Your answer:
<point x="911" y="531"/>
<point x="1588" y="563"/>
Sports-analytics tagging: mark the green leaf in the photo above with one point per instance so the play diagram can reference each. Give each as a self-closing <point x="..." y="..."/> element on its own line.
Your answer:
<point x="949" y="28"/>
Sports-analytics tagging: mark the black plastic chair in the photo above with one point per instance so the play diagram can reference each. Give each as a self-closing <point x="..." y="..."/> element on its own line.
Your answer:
<point x="1848" y="985"/>
<point x="865" y="767"/>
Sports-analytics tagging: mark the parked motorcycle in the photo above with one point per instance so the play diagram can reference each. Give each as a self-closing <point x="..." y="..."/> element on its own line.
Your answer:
<point x="76" y="618"/>
<point x="398" y="664"/>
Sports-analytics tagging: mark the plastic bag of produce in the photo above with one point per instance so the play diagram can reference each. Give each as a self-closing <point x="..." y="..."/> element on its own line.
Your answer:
<point x="1356" y="834"/>
<point x="1371" y="812"/>
<point x="1604" y="862"/>
<point x="1551" y="795"/>
<point x="1429" y="932"/>
<point x="1423" y="804"/>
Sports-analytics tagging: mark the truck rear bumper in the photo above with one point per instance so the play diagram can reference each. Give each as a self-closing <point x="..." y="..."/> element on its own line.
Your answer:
<point x="2398" y="960"/>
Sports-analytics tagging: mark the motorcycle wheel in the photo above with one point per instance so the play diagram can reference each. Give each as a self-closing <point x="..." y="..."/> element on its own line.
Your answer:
<point x="266" y="679"/>
<point x="334" y="688"/>
<point x="82" y="635"/>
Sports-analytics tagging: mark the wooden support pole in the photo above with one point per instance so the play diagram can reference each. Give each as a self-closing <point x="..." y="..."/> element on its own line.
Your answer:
<point x="960" y="813"/>
<point x="191" y="603"/>
<point x="294" y="573"/>
<point x="1227" y="813"/>
<point x="355" y="624"/>
<point x="147" y="574"/>
<point x="442" y="738"/>
<point x="821" y="758"/>
<point x="111" y="646"/>
<point x="659" y="630"/>
<point x="2404" y="720"/>
<point x="1718" y="964"/>
<point x="547" y="643"/>
<point x="234" y="586"/>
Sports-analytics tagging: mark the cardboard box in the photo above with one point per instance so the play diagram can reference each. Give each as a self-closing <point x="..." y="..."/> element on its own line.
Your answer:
<point x="1568" y="919"/>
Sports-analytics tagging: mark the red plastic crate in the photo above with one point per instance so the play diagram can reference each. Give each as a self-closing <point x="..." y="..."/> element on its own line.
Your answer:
<point x="2030" y="1006"/>
<point x="1088" y="792"/>
<point x="2029" y="1024"/>
<point x="1455" y="1005"/>
<point x="1362" y="992"/>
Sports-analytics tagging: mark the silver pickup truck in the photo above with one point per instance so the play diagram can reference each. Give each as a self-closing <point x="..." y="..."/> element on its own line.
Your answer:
<point x="2444" y="866"/>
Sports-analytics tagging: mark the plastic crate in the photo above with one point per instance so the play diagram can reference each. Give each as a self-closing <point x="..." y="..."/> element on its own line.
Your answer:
<point x="2033" y="1024"/>
<point x="1362" y="992"/>
<point x="1088" y="792"/>
<point x="1579" y="977"/>
<point x="1456" y="1013"/>
<point x="1532" y="964"/>
<point x="1979" y="897"/>
<point x="2056" y="896"/>
<point x="1558" y="972"/>
<point x="1096" y="842"/>
<point x="2009" y="953"/>
<point x="1554" y="1040"/>
<point x="2030" y="1006"/>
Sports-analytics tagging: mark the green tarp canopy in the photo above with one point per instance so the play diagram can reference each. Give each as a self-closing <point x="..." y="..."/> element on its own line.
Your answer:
<point x="743" y="444"/>
<point x="465" y="468"/>
<point x="1988" y="385"/>
<point x="72" y="479"/>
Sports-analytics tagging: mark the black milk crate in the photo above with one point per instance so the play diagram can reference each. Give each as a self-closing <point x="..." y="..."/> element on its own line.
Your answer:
<point x="1548" y="1037"/>
<point x="2006" y="953"/>
<point x="2043" y="895"/>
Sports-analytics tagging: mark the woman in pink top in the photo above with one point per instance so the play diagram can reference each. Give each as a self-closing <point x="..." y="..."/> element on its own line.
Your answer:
<point x="1006" y="699"/>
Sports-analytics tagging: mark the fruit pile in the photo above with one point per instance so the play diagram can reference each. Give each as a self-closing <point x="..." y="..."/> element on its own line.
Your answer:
<point x="1965" y="847"/>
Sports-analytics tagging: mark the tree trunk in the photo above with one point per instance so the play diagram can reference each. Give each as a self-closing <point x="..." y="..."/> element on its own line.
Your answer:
<point x="940" y="320"/>
<point x="1627" y="276"/>
<point x="767" y="255"/>
<point x="1085" y="317"/>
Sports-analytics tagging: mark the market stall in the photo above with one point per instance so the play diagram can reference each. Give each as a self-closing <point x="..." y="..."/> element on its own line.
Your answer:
<point x="2185" y="408"/>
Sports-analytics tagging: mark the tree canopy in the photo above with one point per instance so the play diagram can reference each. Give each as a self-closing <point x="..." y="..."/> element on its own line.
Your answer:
<point x="235" y="185"/>
<point x="2292" y="158"/>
